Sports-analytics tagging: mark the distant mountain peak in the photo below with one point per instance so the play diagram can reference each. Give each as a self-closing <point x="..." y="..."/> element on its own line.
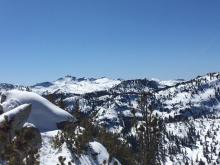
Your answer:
<point x="70" y="84"/>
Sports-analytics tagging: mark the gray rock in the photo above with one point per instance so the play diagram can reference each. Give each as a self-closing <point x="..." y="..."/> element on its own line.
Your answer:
<point x="3" y="98"/>
<point x="12" y="121"/>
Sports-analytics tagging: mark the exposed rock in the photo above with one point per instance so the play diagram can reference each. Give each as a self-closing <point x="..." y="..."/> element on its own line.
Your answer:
<point x="15" y="118"/>
<point x="1" y="110"/>
<point x="3" y="98"/>
<point x="11" y="122"/>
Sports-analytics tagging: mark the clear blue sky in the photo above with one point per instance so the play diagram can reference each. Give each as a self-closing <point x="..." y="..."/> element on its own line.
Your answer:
<point x="167" y="39"/>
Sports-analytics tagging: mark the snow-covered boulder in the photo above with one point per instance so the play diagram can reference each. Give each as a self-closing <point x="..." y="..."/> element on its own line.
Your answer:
<point x="44" y="115"/>
<point x="1" y="110"/>
<point x="13" y="121"/>
<point x="16" y="117"/>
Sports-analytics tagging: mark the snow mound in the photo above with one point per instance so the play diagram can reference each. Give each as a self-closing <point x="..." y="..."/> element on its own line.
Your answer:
<point x="44" y="115"/>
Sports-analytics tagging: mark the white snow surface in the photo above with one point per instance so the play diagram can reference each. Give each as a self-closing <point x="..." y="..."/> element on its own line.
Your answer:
<point x="76" y="86"/>
<point x="209" y="137"/>
<point x="49" y="155"/>
<point x="100" y="150"/>
<point x="22" y="109"/>
<point x="44" y="115"/>
<point x="164" y="83"/>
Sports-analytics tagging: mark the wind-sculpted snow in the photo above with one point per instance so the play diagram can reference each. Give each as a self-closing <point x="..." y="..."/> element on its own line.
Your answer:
<point x="44" y="115"/>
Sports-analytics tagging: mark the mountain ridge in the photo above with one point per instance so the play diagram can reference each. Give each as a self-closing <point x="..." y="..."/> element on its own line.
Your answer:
<point x="190" y="109"/>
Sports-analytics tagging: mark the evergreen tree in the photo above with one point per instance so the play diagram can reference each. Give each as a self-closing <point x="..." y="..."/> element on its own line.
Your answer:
<point x="23" y="148"/>
<point x="149" y="132"/>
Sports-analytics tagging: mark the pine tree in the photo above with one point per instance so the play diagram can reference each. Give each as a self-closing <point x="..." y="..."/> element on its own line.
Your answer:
<point x="149" y="132"/>
<point x="21" y="150"/>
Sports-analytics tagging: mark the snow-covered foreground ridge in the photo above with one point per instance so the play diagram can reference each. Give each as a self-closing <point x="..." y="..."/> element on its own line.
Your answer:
<point x="44" y="115"/>
<point x="21" y="109"/>
<point x="49" y="155"/>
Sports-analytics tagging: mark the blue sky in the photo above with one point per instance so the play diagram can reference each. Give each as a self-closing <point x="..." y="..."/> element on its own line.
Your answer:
<point x="167" y="39"/>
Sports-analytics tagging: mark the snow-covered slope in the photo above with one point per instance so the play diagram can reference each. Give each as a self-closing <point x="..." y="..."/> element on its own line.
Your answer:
<point x="135" y="86"/>
<point x="197" y="101"/>
<point x="191" y="109"/>
<point x="70" y="84"/>
<point x="195" y="98"/>
<point x="193" y="142"/>
<point x="44" y="115"/>
<point x="168" y="83"/>
<point x="96" y="155"/>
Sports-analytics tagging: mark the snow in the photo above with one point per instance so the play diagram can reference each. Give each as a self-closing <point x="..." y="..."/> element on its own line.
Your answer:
<point x="49" y="155"/>
<point x="16" y="117"/>
<point x="76" y="86"/>
<point x="127" y="113"/>
<point x="44" y="114"/>
<point x="165" y="83"/>
<point x="100" y="150"/>
<point x="202" y="127"/>
<point x="178" y="98"/>
<point x="111" y="110"/>
<point x="28" y="125"/>
<point x="22" y="109"/>
<point x="104" y="114"/>
<point x="204" y="95"/>
<point x="109" y="117"/>
<point x="199" y="96"/>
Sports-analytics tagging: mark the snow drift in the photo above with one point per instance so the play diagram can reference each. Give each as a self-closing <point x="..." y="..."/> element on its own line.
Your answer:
<point x="44" y="115"/>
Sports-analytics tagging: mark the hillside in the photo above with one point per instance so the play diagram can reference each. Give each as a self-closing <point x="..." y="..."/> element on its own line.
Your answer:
<point x="190" y="111"/>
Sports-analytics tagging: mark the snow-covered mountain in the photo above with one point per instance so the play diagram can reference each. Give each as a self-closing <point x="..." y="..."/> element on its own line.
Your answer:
<point x="191" y="110"/>
<point x="198" y="97"/>
<point x="178" y="102"/>
<point x="70" y="84"/>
